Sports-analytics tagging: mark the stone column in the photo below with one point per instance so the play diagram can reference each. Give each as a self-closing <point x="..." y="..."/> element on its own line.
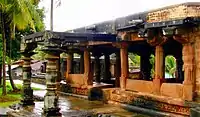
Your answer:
<point x="69" y="64"/>
<point x="27" y="95"/>
<point x="179" y="63"/>
<point x="107" y="73"/>
<point x="97" y="69"/>
<point x="145" y="66"/>
<point x="51" y="98"/>
<point x="82" y="63"/>
<point x="189" y="71"/>
<point x="117" y="70"/>
<point x="124" y="67"/>
<point x="159" y="69"/>
<point x="87" y="68"/>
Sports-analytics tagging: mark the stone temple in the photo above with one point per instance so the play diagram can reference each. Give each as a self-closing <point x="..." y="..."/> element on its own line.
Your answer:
<point x="172" y="30"/>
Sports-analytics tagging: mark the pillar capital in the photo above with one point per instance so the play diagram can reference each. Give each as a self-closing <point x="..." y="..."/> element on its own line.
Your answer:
<point x="157" y="40"/>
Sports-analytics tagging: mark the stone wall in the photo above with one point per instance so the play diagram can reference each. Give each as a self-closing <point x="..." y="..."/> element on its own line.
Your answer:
<point x="174" y="12"/>
<point x="172" y="90"/>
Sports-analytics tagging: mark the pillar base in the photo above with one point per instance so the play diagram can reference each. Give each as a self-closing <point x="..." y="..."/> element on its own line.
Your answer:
<point x="156" y="85"/>
<point x="27" y="97"/>
<point x="50" y="106"/>
<point x="52" y="112"/>
<point x="188" y="92"/>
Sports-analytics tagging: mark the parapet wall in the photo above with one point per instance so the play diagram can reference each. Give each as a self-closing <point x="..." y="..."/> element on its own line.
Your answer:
<point x="174" y="12"/>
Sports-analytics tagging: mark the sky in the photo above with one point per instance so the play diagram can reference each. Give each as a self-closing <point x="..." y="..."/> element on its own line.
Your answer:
<point x="73" y="14"/>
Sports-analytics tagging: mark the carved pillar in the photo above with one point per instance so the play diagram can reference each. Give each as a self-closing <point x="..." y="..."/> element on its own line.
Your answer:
<point x="117" y="70"/>
<point x="159" y="68"/>
<point x="51" y="98"/>
<point x="124" y="66"/>
<point x="97" y="69"/>
<point x="82" y="63"/>
<point x="189" y="71"/>
<point x="107" y="73"/>
<point x="69" y="64"/>
<point x="87" y="68"/>
<point x="27" y="95"/>
<point x="58" y="74"/>
<point x="145" y="66"/>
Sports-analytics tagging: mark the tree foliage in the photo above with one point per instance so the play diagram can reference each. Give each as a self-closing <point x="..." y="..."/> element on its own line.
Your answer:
<point x="170" y="65"/>
<point x="23" y="17"/>
<point x="135" y="59"/>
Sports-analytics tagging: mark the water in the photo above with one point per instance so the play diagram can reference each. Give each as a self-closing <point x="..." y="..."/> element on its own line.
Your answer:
<point x="98" y="107"/>
<point x="72" y="106"/>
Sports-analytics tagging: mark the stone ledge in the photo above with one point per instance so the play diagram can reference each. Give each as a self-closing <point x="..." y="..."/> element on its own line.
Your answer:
<point x="144" y="110"/>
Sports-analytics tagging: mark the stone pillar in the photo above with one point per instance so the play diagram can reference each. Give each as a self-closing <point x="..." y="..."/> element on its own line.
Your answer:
<point x="51" y="98"/>
<point x="97" y="69"/>
<point x="145" y="66"/>
<point x="117" y="70"/>
<point x="159" y="69"/>
<point x="179" y="63"/>
<point x="82" y="63"/>
<point x="27" y="95"/>
<point x="69" y="64"/>
<point x="189" y="71"/>
<point x="107" y="73"/>
<point x="87" y="68"/>
<point x="124" y="67"/>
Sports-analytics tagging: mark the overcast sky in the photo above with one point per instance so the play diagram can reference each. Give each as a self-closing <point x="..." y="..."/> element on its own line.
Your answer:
<point x="77" y="13"/>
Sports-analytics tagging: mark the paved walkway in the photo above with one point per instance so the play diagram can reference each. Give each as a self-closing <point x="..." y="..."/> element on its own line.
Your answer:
<point x="36" y="85"/>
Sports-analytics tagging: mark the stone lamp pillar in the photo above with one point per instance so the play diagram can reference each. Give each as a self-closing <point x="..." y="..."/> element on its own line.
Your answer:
<point x="51" y="97"/>
<point x="27" y="95"/>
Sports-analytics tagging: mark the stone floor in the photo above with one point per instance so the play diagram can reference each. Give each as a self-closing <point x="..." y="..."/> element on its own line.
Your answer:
<point x="76" y="107"/>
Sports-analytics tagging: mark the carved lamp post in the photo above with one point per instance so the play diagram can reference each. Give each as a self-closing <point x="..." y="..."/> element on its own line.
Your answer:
<point x="51" y="97"/>
<point x="27" y="95"/>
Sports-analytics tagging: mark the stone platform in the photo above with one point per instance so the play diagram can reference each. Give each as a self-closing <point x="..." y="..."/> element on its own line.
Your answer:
<point x="148" y="101"/>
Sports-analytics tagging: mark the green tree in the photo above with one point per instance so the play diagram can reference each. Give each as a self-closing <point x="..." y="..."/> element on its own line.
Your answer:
<point x="16" y="14"/>
<point x="170" y="65"/>
<point x="152" y="61"/>
<point x="1" y="53"/>
<point x="135" y="59"/>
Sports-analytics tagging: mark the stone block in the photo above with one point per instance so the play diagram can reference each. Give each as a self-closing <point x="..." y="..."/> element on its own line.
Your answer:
<point x="139" y="85"/>
<point x="172" y="90"/>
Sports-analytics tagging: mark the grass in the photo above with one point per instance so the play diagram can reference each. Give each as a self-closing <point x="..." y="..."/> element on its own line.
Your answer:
<point x="11" y="97"/>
